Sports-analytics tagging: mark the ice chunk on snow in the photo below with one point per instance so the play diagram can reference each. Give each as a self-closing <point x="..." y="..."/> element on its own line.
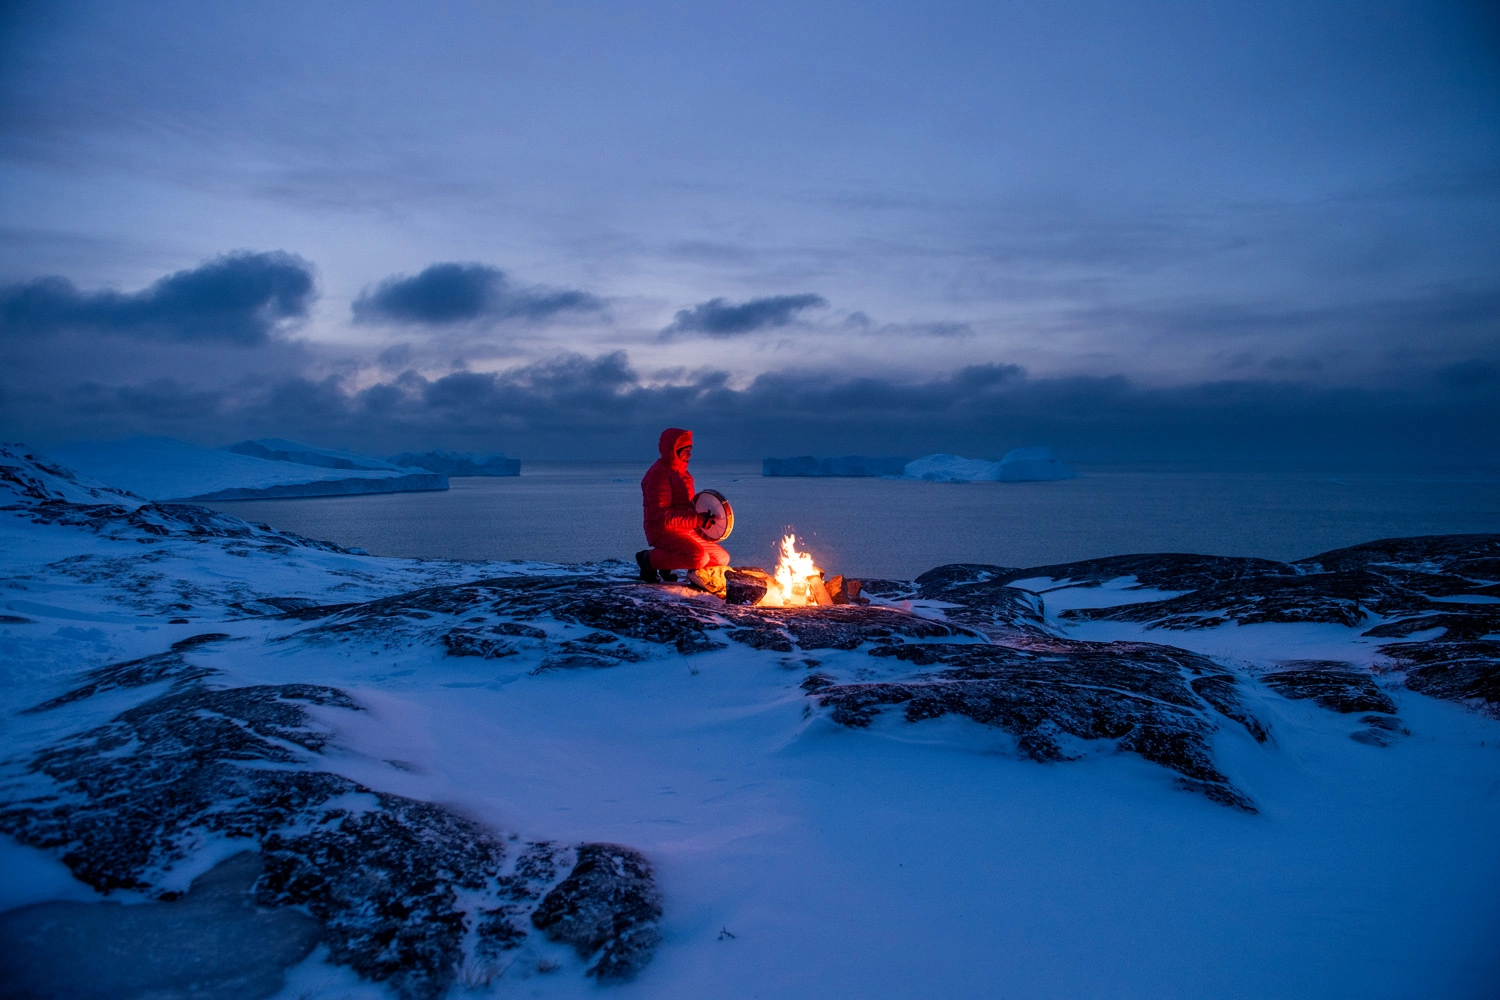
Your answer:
<point x="1018" y="465"/>
<point x="845" y="465"/>
<point x="166" y="469"/>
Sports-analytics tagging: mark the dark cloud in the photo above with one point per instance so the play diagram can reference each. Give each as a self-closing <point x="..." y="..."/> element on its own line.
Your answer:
<point x="449" y="293"/>
<point x="575" y="407"/>
<point x="718" y="318"/>
<point x="240" y="298"/>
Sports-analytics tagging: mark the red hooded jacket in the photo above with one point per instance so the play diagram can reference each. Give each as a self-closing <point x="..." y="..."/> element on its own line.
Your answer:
<point x="667" y="489"/>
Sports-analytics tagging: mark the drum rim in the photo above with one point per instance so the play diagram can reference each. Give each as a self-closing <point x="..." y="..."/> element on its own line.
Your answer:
<point x="728" y="511"/>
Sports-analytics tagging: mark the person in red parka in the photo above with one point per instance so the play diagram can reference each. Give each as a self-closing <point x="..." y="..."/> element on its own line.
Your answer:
<point x="671" y="521"/>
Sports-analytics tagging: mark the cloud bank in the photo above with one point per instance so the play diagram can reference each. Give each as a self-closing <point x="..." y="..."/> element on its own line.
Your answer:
<point x="573" y="406"/>
<point x="239" y="298"/>
<point x="449" y="293"/>
<point x="718" y="318"/>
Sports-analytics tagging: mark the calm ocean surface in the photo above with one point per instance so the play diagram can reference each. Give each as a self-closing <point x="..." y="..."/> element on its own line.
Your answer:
<point x="898" y="529"/>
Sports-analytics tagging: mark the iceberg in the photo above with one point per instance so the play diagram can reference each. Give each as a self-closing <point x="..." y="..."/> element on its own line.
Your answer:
<point x="454" y="464"/>
<point x="846" y="465"/>
<point x="159" y="468"/>
<point x="1020" y="465"/>
<point x="282" y="450"/>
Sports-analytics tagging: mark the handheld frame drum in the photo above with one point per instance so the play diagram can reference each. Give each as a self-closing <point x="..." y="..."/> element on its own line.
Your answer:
<point x="715" y="503"/>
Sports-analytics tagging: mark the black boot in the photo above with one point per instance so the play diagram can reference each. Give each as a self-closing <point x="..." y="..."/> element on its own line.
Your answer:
<point x="643" y="560"/>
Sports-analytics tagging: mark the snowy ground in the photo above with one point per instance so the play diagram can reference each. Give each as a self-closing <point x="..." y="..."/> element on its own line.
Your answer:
<point x="794" y="854"/>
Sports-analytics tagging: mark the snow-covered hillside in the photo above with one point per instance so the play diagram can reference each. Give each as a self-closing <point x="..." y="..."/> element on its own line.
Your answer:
<point x="1145" y="776"/>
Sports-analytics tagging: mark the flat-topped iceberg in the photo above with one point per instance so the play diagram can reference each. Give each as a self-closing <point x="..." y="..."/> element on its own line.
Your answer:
<point x="1020" y="465"/>
<point x="159" y="468"/>
<point x="452" y="463"/>
<point x="845" y="465"/>
<point x="282" y="450"/>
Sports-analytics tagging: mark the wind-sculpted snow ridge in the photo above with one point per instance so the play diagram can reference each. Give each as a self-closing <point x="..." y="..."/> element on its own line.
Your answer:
<point x="397" y="884"/>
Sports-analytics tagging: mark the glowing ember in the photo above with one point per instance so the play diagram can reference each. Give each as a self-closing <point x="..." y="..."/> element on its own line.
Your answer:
<point x="796" y="583"/>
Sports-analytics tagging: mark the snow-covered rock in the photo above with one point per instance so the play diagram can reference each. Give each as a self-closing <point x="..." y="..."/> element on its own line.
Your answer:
<point x="473" y="776"/>
<point x="455" y="464"/>
<point x="845" y="465"/>
<point x="1018" y="466"/>
<point x="167" y="469"/>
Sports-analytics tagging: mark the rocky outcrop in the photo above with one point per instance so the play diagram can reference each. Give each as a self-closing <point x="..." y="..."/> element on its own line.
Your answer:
<point x="394" y="883"/>
<point x="1136" y="695"/>
<point x="607" y="909"/>
<point x="1334" y="685"/>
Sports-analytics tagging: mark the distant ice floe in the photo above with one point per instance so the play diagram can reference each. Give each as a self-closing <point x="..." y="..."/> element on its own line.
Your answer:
<point x="159" y="468"/>
<point x="1020" y="465"/>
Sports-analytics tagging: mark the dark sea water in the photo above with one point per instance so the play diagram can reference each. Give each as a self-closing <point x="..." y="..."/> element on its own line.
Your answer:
<point x="897" y="529"/>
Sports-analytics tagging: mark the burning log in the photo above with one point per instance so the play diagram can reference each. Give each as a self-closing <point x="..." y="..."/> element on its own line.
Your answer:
<point x="845" y="591"/>
<point x="797" y="582"/>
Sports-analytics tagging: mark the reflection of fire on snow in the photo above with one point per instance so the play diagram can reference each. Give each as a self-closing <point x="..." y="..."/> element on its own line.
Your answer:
<point x="796" y="583"/>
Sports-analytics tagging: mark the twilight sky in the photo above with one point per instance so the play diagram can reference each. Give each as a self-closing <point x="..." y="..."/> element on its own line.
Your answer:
<point x="1181" y="230"/>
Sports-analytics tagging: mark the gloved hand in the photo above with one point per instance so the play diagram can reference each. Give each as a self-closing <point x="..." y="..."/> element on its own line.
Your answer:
<point x="705" y="518"/>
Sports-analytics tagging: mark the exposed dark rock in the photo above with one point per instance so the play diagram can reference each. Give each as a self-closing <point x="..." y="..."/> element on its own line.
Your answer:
<point x="473" y="642"/>
<point x="162" y="520"/>
<point x="986" y="603"/>
<point x="1332" y="684"/>
<point x="1459" y="622"/>
<point x="1335" y="598"/>
<point x="763" y="635"/>
<point x="1159" y="571"/>
<point x="383" y="883"/>
<point x="194" y="641"/>
<point x="1136" y="694"/>
<point x="129" y="674"/>
<point x="1467" y="672"/>
<point x="130" y="793"/>
<point x="837" y="627"/>
<point x="1223" y="693"/>
<point x="1448" y="554"/>
<point x="625" y="609"/>
<point x="608" y="905"/>
<point x="1380" y="731"/>
<point x="745" y="585"/>
<point x="889" y="590"/>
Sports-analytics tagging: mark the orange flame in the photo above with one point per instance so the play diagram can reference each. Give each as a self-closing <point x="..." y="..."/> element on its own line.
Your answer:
<point x="797" y="582"/>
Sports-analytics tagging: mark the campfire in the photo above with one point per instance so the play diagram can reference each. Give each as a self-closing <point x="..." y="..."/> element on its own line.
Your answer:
<point x="796" y="583"/>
